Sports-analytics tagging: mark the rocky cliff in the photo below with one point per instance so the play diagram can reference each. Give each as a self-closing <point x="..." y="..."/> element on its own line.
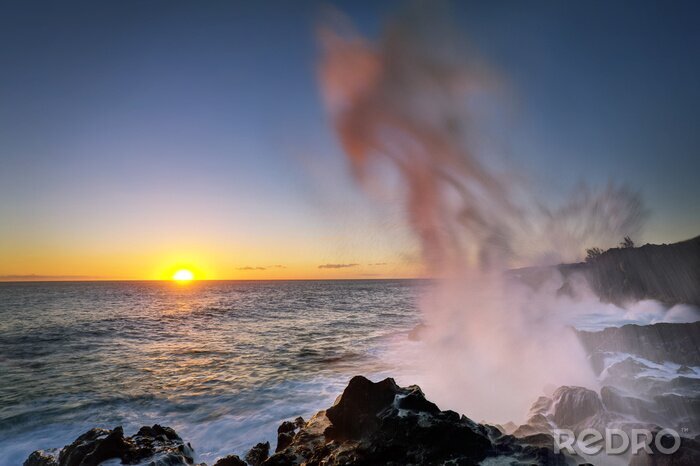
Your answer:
<point x="669" y="273"/>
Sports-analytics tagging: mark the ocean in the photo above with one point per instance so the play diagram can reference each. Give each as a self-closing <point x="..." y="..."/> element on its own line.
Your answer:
<point x="222" y="362"/>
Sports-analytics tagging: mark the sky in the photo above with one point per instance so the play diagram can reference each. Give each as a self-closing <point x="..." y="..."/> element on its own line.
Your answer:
<point x="139" y="137"/>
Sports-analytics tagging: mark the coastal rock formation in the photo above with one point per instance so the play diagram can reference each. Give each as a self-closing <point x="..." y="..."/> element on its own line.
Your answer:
<point x="668" y="273"/>
<point x="574" y="408"/>
<point x="159" y="446"/>
<point x="663" y="342"/>
<point x="369" y="424"/>
<point x="230" y="460"/>
<point x="382" y="423"/>
<point x="258" y="454"/>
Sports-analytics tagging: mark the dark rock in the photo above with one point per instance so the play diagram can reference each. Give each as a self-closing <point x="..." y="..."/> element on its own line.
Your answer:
<point x="537" y="424"/>
<point x="685" y="370"/>
<point x="93" y="447"/>
<point x="355" y="412"/>
<point x="668" y="273"/>
<point x="507" y="428"/>
<point x="687" y="455"/>
<point x="41" y="458"/>
<point x="415" y="401"/>
<point x="231" y="460"/>
<point x="679" y="343"/>
<point x="160" y="446"/>
<point x="286" y="431"/>
<point x="258" y="454"/>
<point x="615" y="400"/>
<point x="384" y="424"/>
<point x="629" y="367"/>
<point x="685" y="410"/>
<point x="573" y="405"/>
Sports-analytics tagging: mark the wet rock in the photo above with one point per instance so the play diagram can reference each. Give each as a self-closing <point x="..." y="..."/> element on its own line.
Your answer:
<point x="415" y="400"/>
<point x="41" y="458"/>
<point x="258" y="454"/>
<point x="507" y="428"/>
<point x="231" y="460"/>
<point x="574" y="405"/>
<point x="615" y="400"/>
<point x="286" y="431"/>
<point x="629" y="367"/>
<point x="687" y="455"/>
<point x="685" y="410"/>
<point x="382" y="423"/>
<point x="674" y="342"/>
<point x="355" y="412"/>
<point x="685" y="370"/>
<point x="157" y="445"/>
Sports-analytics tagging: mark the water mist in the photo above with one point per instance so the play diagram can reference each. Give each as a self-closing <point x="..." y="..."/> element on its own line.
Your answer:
<point x="411" y="103"/>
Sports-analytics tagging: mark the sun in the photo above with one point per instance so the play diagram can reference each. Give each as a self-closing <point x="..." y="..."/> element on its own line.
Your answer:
<point x="183" y="275"/>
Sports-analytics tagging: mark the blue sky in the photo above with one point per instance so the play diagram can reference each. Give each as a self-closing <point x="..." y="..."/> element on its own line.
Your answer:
<point x="128" y="127"/>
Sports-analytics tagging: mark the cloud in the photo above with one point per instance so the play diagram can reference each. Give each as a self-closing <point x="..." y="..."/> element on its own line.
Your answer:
<point x="378" y="263"/>
<point x="336" y="266"/>
<point x="257" y="267"/>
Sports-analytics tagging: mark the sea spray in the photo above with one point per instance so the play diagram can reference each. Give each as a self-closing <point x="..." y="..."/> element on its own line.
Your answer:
<point x="411" y="103"/>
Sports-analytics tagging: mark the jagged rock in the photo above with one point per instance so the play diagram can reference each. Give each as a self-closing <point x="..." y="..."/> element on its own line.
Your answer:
<point x="674" y="342"/>
<point x="685" y="370"/>
<point x="574" y="408"/>
<point x="537" y="424"/>
<point x="574" y="405"/>
<point x="415" y="400"/>
<point x="685" y="410"/>
<point x="161" y="446"/>
<point x="258" y="454"/>
<point x="629" y="367"/>
<point x="382" y="423"/>
<point x="615" y="400"/>
<point x="230" y="460"/>
<point x="355" y="413"/>
<point x="687" y="455"/>
<point x="41" y="458"/>
<point x="507" y="428"/>
<point x="286" y="431"/>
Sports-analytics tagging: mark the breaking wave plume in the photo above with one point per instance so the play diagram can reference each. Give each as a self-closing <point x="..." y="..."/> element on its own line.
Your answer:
<point x="411" y="104"/>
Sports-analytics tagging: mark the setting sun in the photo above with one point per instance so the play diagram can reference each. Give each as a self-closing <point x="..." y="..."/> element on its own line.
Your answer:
<point x="183" y="275"/>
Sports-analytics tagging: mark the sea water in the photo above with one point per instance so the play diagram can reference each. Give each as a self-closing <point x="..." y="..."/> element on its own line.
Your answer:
<point x="223" y="363"/>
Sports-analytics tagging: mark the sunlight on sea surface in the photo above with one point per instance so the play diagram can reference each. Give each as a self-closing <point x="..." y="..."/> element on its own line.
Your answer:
<point x="221" y="362"/>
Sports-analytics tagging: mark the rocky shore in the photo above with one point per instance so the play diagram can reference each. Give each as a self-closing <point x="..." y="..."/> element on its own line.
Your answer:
<point x="369" y="424"/>
<point x="373" y="424"/>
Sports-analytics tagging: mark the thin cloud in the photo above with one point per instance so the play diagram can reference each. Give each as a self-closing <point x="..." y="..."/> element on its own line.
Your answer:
<point x="257" y="267"/>
<point x="378" y="263"/>
<point x="337" y="266"/>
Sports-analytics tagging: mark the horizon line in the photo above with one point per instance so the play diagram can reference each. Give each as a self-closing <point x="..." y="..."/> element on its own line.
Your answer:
<point x="168" y="280"/>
